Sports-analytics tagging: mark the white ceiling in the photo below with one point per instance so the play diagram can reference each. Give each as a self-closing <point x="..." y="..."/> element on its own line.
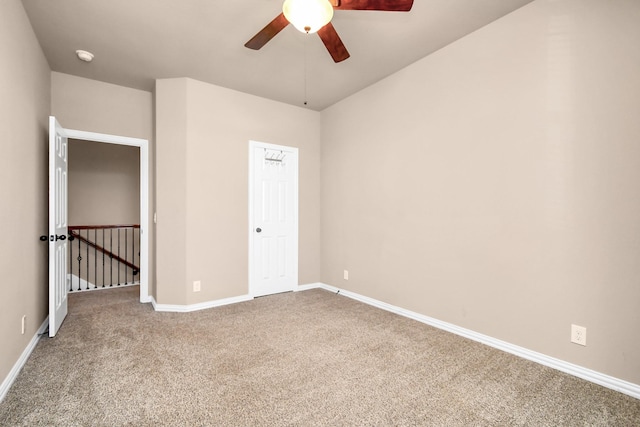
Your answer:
<point x="138" y="41"/>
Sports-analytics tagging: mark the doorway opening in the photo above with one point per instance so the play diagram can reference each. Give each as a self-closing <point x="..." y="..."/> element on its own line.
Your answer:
<point x="103" y="215"/>
<point x="143" y="146"/>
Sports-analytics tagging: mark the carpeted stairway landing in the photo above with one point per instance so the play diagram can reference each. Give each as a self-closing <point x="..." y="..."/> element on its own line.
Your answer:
<point x="297" y="359"/>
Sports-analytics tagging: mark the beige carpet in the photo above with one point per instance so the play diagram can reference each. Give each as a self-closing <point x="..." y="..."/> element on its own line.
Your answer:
<point x="296" y="359"/>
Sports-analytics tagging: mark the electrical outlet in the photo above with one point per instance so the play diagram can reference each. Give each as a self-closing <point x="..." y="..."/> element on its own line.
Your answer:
<point x="24" y="323"/>
<point x="196" y="286"/>
<point x="346" y="275"/>
<point x="578" y="334"/>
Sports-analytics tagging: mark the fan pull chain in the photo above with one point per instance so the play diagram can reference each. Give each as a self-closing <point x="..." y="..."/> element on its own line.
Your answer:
<point x="305" y="68"/>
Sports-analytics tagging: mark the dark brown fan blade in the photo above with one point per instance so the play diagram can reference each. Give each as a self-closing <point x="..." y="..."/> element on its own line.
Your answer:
<point x="268" y="32"/>
<point x="332" y="41"/>
<point x="389" y="5"/>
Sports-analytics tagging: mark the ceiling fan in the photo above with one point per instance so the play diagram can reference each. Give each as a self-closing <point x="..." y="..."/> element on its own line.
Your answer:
<point x="310" y="16"/>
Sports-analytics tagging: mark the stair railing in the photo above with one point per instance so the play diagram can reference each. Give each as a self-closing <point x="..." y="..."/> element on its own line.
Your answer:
<point x="103" y="256"/>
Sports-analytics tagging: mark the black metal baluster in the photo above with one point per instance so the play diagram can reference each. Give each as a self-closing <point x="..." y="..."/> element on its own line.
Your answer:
<point x="133" y="254"/>
<point x="118" y="284"/>
<point x="79" y="260"/>
<point x="88" y="270"/>
<point x="71" y="265"/>
<point x="103" y="245"/>
<point x="111" y="257"/>
<point x="126" y="257"/>
<point x="95" y="258"/>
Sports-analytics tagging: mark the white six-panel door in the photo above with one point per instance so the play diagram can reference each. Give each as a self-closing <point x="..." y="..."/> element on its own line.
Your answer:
<point x="58" y="180"/>
<point x="273" y="219"/>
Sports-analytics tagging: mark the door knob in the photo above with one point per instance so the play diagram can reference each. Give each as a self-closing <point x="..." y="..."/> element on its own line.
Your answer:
<point x="258" y="230"/>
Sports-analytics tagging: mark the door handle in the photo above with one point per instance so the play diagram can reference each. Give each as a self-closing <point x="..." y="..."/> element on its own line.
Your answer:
<point x="55" y="238"/>
<point x="258" y="230"/>
<point x="44" y="237"/>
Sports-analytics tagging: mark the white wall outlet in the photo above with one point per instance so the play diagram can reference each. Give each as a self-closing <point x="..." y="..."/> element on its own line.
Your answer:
<point x="24" y="323"/>
<point x="345" y="275"/>
<point x="196" y="286"/>
<point x="578" y="334"/>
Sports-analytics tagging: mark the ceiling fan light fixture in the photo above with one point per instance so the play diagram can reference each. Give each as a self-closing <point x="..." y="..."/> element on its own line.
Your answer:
<point x="308" y="16"/>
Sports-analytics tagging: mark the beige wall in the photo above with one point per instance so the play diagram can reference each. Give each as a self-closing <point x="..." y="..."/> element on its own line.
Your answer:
<point x="203" y="134"/>
<point x="24" y="107"/>
<point x="494" y="184"/>
<point x="93" y="106"/>
<point x="104" y="183"/>
<point x="171" y="190"/>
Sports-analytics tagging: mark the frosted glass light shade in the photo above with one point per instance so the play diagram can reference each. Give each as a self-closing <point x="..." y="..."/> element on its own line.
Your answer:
<point x="308" y="16"/>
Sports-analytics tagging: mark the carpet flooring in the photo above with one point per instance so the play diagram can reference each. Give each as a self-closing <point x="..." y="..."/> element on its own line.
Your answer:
<point x="310" y="358"/>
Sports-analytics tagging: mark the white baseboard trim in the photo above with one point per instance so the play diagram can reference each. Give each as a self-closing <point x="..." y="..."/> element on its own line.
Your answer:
<point x="177" y="308"/>
<point x="148" y="299"/>
<point x="604" y="380"/>
<point x="309" y="286"/>
<point x="13" y="373"/>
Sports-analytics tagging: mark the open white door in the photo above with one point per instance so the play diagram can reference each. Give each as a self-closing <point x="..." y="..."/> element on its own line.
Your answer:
<point x="58" y="157"/>
<point x="273" y="218"/>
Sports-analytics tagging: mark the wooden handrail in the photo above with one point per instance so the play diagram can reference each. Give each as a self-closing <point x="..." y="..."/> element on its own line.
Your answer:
<point x="100" y="227"/>
<point x="76" y="235"/>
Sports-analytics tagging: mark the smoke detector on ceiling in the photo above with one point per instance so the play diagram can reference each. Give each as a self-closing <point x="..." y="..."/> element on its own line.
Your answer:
<point x="85" y="56"/>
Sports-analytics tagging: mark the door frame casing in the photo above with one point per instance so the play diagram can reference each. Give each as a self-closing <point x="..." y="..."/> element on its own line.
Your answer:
<point x="264" y="145"/>
<point x="143" y="144"/>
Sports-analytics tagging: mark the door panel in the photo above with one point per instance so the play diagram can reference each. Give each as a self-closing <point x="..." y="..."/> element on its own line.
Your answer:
<point x="274" y="219"/>
<point x="58" y="182"/>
